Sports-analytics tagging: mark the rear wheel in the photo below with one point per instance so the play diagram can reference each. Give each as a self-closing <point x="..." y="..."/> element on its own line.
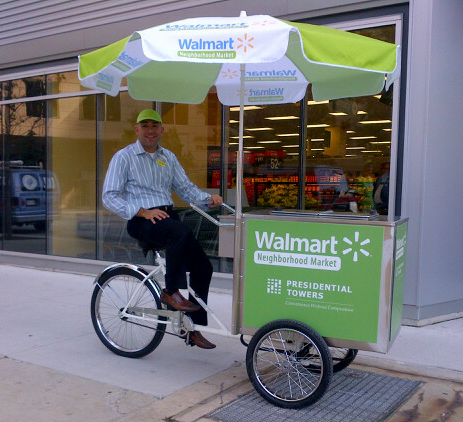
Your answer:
<point x="342" y="358"/>
<point x="289" y="364"/>
<point x="125" y="336"/>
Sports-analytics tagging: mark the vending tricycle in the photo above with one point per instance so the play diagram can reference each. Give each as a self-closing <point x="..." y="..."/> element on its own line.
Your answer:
<point x="308" y="288"/>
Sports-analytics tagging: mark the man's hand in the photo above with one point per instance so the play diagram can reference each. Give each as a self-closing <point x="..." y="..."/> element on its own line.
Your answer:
<point x="216" y="200"/>
<point x="152" y="215"/>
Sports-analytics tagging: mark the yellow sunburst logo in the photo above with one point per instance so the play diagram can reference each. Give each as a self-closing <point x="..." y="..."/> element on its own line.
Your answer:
<point x="245" y="43"/>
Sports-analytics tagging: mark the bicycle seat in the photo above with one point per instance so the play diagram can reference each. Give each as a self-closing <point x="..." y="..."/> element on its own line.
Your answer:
<point x="148" y="246"/>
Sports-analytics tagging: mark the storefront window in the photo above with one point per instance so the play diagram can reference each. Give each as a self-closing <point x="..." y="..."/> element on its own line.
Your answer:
<point x="119" y="115"/>
<point x="346" y="145"/>
<point x="23" y="175"/>
<point x="271" y="154"/>
<point x="349" y="145"/>
<point x="72" y="162"/>
<point x="192" y="132"/>
<point x="329" y="155"/>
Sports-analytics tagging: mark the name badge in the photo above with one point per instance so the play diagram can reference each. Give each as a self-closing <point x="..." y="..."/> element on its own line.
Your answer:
<point x="161" y="163"/>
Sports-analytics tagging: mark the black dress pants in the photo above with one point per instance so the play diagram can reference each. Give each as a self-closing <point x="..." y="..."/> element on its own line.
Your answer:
<point x="183" y="253"/>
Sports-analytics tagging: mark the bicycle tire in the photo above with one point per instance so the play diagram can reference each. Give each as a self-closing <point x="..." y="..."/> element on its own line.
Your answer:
<point x="124" y="336"/>
<point x="278" y="370"/>
<point x="342" y="357"/>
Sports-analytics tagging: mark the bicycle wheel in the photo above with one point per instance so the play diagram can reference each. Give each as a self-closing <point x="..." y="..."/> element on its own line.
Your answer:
<point x="289" y="364"/>
<point x="125" y="336"/>
<point x="342" y="358"/>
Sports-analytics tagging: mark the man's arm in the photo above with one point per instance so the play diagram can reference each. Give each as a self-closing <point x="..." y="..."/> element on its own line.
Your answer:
<point x="114" y="188"/>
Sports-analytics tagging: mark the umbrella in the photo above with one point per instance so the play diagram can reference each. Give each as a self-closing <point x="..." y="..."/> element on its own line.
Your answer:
<point x="250" y="59"/>
<point x="179" y="62"/>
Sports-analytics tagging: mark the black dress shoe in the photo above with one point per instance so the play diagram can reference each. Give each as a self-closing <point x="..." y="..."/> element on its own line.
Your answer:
<point x="178" y="302"/>
<point x="196" y="338"/>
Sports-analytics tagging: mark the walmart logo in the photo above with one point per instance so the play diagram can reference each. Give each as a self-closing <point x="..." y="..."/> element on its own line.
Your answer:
<point x="356" y="246"/>
<point x="245" y="42"/>
<point x="214" y="49"/>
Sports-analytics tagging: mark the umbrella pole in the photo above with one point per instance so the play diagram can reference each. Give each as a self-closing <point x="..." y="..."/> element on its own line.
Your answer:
<point x="237" y="276"/>
<point x="239" y="158"/>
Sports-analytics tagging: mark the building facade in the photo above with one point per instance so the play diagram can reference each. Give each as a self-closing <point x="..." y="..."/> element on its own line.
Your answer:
<point x="398" y="152"/>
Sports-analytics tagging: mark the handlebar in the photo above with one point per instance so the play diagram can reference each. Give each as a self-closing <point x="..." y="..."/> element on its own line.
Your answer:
<point x="196" y="206"/>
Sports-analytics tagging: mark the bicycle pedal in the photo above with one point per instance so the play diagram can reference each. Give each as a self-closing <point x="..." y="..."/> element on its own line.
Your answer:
<point x="188" y="341"/>
<point x="169" y="307"/>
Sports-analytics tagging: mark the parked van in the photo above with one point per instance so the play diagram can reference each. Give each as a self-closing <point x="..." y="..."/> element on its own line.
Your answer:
<point x="34" y="194"/>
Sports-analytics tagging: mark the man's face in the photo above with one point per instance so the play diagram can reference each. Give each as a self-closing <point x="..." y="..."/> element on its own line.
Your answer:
<point x="149" y="133"/>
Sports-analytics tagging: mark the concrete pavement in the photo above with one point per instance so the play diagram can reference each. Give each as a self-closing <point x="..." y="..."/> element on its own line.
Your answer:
<point x="53" y="367"/>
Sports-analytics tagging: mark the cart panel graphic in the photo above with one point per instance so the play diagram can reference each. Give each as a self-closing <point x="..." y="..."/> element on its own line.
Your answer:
<point x="326" y="275"/>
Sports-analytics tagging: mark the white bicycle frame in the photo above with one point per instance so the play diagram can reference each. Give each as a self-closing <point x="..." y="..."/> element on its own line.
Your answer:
<point x="151" y="315"/>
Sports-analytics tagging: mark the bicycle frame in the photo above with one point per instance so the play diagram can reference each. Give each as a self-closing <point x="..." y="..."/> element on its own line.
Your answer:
<point x="174" y="317"/>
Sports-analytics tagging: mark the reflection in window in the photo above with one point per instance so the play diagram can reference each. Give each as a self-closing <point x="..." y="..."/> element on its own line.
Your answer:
<point x="65" y="82"/>
<point x="24" y="200"/>
<point x="72" y="143"/>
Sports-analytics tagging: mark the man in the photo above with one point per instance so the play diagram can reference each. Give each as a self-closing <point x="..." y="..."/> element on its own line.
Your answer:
<point x="138" y="188"/>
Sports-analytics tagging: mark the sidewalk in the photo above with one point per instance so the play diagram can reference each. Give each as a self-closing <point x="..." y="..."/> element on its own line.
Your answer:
<point x="50" y="355"/>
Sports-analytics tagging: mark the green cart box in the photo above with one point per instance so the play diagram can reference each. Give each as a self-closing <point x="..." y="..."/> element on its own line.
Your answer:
<point x="343" y="276"/>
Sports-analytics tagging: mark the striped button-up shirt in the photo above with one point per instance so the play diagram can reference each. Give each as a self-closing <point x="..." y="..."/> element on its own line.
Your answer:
<point x="136" y="179"/>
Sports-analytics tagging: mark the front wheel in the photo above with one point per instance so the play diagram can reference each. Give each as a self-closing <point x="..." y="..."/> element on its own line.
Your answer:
<point x="289" y="364"/>
<point x="125" y="336"/>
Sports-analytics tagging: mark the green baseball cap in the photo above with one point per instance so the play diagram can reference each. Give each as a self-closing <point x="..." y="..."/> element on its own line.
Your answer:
<point x="149" y="115"/>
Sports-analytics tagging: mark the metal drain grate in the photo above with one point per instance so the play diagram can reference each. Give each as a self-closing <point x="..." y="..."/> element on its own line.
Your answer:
<point x="353" y="396"/>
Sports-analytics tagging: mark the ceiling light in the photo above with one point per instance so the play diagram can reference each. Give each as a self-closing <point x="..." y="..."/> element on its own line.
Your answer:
<point x="373" y="152"/>
<point x="246" y="108"/>
<point x="259" y="128"/>
<point x="387" y="130"/>
<point x="233" y="121"/>
<point x="375" y="122"/>
<point x="317" y="140"/>
<point x="318" y="125"/>
<point x="292" y="146"/>
<point x="361" y="112"/>
<point x="362" y="137"/>
<point x="269" y="142"/>
<point x="355" y="148"/>
<point x="312" y="102"/>
<point x="379" y="142"/>
<point x="317" y="149"/>
<point x="338" y="113"/>
<point x="292" y="153"/>
<point x="288" y="134"/>
<point x="350" y="131"/>
<point x="255" y="147"/>
<point x="244" y="137"/>
<point x="282" y="118"/>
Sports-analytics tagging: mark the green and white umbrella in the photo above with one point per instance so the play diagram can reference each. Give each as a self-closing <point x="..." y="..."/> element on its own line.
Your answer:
<point x="250" y="60"/>
<point x="180" y="61"/>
